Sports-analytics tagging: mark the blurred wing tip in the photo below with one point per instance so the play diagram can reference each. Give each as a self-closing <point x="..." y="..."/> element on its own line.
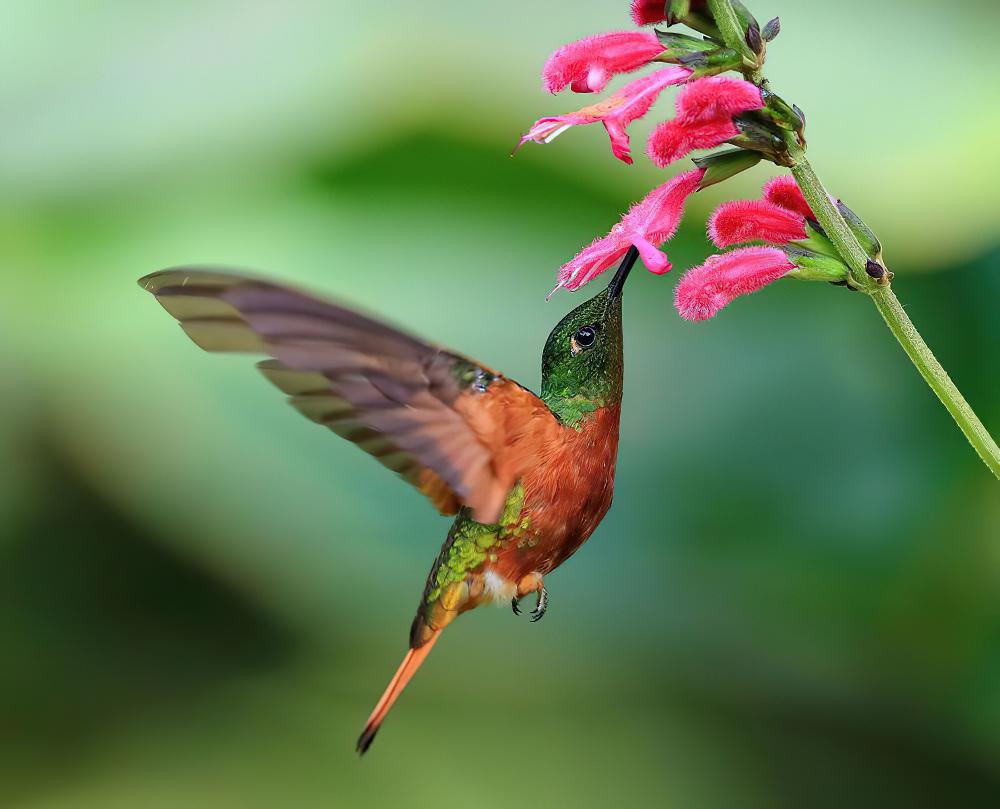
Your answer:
<point x="201" y="275"/>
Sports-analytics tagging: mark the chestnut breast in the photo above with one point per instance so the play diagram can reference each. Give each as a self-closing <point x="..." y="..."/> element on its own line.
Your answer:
<point x="566" y="495"/>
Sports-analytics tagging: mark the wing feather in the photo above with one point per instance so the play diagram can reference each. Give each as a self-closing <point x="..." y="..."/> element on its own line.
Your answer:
<point x="458" y="431"/>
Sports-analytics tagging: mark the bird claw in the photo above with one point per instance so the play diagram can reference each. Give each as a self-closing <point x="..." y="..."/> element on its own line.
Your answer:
<point x="534" y="582"/>
<point x="540" y="607"/>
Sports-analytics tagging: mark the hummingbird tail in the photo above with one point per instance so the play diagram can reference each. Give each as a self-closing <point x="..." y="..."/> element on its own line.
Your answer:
<point x="414" y="658"/>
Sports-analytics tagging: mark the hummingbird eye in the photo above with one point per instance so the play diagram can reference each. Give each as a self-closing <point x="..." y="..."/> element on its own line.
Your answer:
<point x="584" y="338"/>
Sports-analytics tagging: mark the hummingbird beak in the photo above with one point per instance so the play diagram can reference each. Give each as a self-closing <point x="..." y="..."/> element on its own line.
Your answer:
<point x="618" y="282"/>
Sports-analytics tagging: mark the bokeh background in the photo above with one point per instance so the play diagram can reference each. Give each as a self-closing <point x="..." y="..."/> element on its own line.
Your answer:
<point x="796" y="598"/>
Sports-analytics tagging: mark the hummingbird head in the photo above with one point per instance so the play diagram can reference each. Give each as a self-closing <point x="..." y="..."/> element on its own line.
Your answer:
<point x="582" y="359"/>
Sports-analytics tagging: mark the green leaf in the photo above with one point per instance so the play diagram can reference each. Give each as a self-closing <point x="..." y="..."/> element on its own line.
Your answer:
<point x="682" y="43"/>
<point x="723" y="165"/>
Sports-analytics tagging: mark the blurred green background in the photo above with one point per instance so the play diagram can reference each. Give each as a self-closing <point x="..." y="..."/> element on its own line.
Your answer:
<point x="796" y="598"/>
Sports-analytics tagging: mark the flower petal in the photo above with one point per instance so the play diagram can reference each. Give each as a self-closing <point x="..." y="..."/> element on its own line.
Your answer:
<point x="707" y="288"/>
<point x="655" y="261"/>
<point x="649" y="12"/>
<point x="590" y="262"/>
<point x="589" y="63"/>
<point x="617" y="111"/>
<point x="648" y="224"/>
<point x="658" y="215"/>
<point x="717" y="97"/>
<point x="672" y="140"/>
<point x="753" y="220"/>
<point x="705" y="109"/>
<point x="784" y="191"/>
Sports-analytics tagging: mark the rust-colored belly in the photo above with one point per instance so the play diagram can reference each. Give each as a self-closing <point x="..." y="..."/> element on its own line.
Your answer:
<point x="566" y="497"/>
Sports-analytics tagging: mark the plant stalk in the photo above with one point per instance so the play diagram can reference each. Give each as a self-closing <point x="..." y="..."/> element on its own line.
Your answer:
<point x="936" y="376"/>
<point x="895" y="317"/>
<point x="854" y="254"/>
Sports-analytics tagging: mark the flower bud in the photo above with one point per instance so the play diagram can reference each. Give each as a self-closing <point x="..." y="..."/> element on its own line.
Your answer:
<point x="712" y="63"/>
<point x="754" y="40"/>
<point x="723" y="165"/>
<point x="762" y="136"/>
<point x="703" y="56"/>
<point x="813" y="266"/>
<point x="869" y="241"/>
<point x="785" y="115"/>
<point x="693" y="14"/>
<point x="771" y="29"/>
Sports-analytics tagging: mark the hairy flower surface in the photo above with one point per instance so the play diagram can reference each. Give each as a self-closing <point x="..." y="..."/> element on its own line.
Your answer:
<point x="648" y="12"/>
<point x="616" y="112"/>
<point x="648" y="224"/>
<point x="754" y="220"/>
<point x="785" y="192"/>
<point x="705" y="111"/>
<point x="588" y="64"/>
<point x="707" y="288"/>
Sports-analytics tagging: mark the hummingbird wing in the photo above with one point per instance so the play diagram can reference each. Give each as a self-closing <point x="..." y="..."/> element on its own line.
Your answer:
<point x="452" y="427"/>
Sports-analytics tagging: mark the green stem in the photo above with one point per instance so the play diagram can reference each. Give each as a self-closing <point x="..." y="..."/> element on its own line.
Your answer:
<point x="936" y="376"/>
<point x="894" y="315"/>
<point x="729" y="26"/>
<point x="829" y="217"/>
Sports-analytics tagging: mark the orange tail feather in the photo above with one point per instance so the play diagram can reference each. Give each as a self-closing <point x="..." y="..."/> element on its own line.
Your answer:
<point x="414" y="658"/>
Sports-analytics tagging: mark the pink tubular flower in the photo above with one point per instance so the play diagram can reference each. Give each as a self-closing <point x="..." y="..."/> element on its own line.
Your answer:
<point x="616" y="112"/>
<point x="785" y="192"/>
<point x="649" y="12"/>
<point x="754" y="220"/>
<point x="779" y="218"/>
<point x="588" y="64"/>
<point x="705" y="110"/>
<point x="706" y="289"/>
<point x="648" y="224"/>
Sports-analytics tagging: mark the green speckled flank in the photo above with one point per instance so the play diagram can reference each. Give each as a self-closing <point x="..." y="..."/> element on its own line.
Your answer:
<point x="471" y="543"/>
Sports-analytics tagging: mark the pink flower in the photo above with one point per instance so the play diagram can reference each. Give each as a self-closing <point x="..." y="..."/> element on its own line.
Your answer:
<point x="779" y="218"/>
<point x="648" y="224"/>
<point x="616" y="112"/>
<point x="754" y="220"/>
<point x="784" y="191"/>
<point x="649" y="12"/>
<point x="705" y="109"/>
<point x="706" y="289"/>
<point x="589" y="63"/>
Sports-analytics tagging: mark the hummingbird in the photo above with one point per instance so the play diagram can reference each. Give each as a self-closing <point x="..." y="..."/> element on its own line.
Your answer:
<point x="528" y="477"/>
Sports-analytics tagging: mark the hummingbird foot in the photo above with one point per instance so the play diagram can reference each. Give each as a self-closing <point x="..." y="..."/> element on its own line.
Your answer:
<point x="541" y="606"/>
<point x="532" y="583"/>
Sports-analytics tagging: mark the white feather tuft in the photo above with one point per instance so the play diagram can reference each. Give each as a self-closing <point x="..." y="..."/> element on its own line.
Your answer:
<point x="498" y="588"/>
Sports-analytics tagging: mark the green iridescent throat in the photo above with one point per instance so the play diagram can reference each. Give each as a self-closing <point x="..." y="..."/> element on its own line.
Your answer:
<point x="578" y="380"/>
